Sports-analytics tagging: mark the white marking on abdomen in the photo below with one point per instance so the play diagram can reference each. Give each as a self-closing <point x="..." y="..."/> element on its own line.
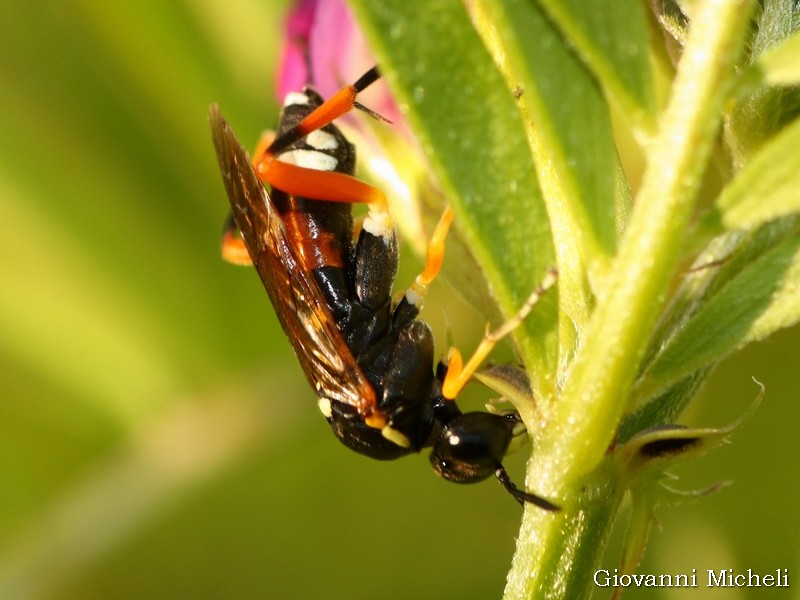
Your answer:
<point x="321" y="140"/>
<point x="295" y="99"/>
<point x="309" y="159"/>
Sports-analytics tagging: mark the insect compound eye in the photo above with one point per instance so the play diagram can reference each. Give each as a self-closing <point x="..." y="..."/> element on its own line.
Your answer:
<point x="471" y="447"/>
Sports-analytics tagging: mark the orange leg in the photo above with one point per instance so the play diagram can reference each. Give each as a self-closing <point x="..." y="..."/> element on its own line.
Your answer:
<point x="458" y="374"/>
<point x="301" y="181"/>
<point x="233" y="249"/>
<point x="318" y="185"/>
<point x="264" y="142"/>
<point x="334" y="107"/>
<point x="312" y="183"/>
<point x="415" y="294"/>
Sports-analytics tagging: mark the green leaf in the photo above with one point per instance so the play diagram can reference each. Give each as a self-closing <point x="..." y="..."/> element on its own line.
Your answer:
<point x="570" y="136"/>
<point x="765" y="189"/>
<point x="612" y="38"/>
<point x="660" y="447"/>
<point x="470" y="128"/>
<point x="644" y="499"/>
<point x="780" y="65"/>
<point x="672" y="19"/>
<point x="758" y="301"/>
<point x="760" y="113"/>
<point x="514" y="385"/>
<point x="666" y="407"/>
<point x="719" y="263"/>
<point x="643" y="461"/>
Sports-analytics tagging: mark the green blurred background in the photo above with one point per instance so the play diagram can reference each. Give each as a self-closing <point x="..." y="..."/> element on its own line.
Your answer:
<point x="158" y="439"/>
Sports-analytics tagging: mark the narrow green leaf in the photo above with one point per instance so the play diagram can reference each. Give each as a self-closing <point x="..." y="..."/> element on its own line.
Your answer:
<point x="513" y="384"/>
<point x="645" y="497"/>
<point x="761" y="112"/>
<point x="569" y="132"/>
<point x="661" y="447"/>
<point x="762" y="299"/>
<point x="644" y="459"/>
<point x="715" y="267"/>
<point x="775" y="21"/>
<point x="666" y="407"/>
<point x="780" y="65"/>
<point x="719" y="262"/>
<point x="672" y="19"/>
<point x="765" y="189"/>
<point x="472" y="133"/>
<point x="612" y="38"/>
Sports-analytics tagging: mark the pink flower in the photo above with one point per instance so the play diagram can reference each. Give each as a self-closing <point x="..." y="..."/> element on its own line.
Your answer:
<point x="325" y="48"/>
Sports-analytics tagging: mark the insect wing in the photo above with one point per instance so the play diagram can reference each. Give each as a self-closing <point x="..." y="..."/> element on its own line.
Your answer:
<point x="298" y="301"/>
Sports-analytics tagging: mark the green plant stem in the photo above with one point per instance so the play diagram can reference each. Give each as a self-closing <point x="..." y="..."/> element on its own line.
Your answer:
<point x="557" y="555"/>
<point x="595" y="396"/>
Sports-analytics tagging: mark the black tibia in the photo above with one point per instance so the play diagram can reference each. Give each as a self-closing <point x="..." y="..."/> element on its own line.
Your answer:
<point x="404" y="313"/>
<point x="333" y="284"/>
<point x="408" y="382"/>
<point x="375" y="268"/>
<point x="368" y="329"/>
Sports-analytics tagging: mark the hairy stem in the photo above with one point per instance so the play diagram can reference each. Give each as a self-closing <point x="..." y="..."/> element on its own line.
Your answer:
<point x="595" y="396"/>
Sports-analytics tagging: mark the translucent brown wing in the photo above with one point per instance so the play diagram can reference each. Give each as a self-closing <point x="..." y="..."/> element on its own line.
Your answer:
<point x="298" y="301"/>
